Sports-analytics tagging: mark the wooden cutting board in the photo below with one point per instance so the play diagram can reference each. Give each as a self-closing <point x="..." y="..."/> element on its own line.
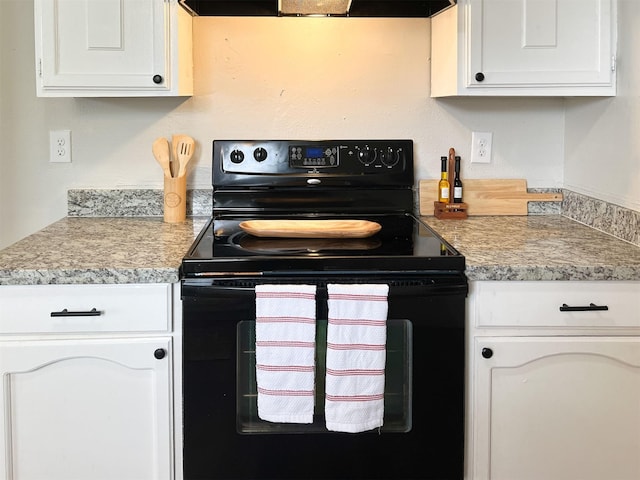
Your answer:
<point x="488" y="196"/>
<point x="311" y="228"/>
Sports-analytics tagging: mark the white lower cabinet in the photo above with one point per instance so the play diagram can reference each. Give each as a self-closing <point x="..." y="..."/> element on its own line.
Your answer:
<point x="88" y="409"/>
<point x="89" y="405"/>
<point x="552" y="402"/>
<point x="557" y="408"/>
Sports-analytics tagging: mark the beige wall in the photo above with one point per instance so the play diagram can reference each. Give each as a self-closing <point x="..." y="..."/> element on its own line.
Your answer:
<point x="602" y="155"/>
<point x="258" y="78"/>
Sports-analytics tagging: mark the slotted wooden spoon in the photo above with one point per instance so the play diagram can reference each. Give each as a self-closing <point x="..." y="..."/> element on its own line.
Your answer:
<point x="161" y="153"/>
<point x="184" y="151"/>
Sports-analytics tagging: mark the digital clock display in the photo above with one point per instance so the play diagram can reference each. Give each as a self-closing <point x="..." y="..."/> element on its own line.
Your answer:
<point x="314" y="152"/>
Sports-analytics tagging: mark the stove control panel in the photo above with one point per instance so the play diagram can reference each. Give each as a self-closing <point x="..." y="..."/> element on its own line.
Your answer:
<point x="312" y="156"/>
<point x="286" y="157"/>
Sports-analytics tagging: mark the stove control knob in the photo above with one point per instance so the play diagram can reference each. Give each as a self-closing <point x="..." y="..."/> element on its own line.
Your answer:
<point x="366" y="155"/>
<point x="236" y="156"/>
<point x="260" y="154"/>
<point x="389" y="157"/>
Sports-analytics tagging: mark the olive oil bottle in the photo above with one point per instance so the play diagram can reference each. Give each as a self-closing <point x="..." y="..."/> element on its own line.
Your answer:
<point x="444" y="187"/>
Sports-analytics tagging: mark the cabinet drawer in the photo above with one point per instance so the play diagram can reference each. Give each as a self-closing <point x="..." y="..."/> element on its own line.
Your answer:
<point x="68" y="308"/>
<point x="537" y="304"/>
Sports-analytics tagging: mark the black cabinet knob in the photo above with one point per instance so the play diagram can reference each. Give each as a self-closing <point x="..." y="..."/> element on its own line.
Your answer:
<point x="157" y="79"/>
<point x="160" y="353"/>
<point x="487" y="352"/>
<point x="479" y="77"/>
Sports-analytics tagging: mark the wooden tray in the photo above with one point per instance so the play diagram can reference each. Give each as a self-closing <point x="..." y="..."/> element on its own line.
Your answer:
<point x="311" y="228"/>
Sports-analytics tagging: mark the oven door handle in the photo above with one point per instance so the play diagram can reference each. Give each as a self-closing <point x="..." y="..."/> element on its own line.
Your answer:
<point x="396" y="288"/>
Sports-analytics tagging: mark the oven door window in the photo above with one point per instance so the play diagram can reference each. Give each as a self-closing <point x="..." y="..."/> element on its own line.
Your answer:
<point x="398" y="382"/>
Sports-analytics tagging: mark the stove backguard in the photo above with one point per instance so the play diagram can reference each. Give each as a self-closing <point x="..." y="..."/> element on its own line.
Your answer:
<point x="313" y="176"/>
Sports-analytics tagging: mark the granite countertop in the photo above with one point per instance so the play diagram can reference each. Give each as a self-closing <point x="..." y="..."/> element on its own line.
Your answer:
<point x="538" y="247"/>
<point x="100" y="250"/>
<point x="78" y="250"/>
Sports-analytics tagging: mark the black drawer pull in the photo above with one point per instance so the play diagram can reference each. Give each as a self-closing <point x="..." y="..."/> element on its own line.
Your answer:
<point x="66" y="313"/>
<point x="592" y="307"/>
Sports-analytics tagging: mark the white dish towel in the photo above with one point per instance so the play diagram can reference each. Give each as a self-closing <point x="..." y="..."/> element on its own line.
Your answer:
<point x="356" y="357"/>
<point x="285" y="352"/>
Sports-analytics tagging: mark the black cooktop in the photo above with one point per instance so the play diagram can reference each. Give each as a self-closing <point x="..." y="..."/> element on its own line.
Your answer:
<point x="404" y="244"/>
<point x="320" y="180"/>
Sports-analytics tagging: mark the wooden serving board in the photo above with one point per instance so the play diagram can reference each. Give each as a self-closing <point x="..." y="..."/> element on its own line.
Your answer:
<point x="311" y="228"/>
<point x="488" y="196"/>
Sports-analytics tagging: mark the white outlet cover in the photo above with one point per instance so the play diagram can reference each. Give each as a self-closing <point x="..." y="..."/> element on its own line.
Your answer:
<point x="481" y="144"/>
<point x="60" y="146"/>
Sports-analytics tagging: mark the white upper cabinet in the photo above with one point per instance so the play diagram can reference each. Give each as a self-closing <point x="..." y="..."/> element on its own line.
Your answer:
<point x="525" y="48"/>
<point x="113" y="48"/>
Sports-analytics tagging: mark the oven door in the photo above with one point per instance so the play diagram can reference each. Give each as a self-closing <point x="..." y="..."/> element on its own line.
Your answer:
<point x="422" y="436"/>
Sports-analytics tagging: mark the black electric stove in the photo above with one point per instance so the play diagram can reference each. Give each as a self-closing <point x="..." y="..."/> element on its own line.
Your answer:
<point x="423" y="432"/>
<point x="320" y="180"/>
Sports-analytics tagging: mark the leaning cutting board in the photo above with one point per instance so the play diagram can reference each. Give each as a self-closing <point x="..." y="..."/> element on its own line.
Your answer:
<point x="488" y="196"/>
<point x="311" y="228"/>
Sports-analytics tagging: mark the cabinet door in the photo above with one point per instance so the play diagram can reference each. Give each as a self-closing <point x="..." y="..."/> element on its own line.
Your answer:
<point x="556" y="408"/>
<point x="102" y="44"/>
<point x="86" y="409"/>
<point x="540" y="43"/>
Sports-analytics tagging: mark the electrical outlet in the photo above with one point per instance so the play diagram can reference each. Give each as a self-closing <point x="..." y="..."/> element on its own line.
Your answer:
<point x="60" y="146"/>
<point x="481" y="147"/>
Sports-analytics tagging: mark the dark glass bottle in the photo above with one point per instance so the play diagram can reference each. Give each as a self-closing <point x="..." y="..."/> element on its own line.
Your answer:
<point x="457" y="183"/>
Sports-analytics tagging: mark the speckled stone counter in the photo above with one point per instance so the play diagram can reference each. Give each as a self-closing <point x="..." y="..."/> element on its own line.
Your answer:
<point x="118" y="236"/>
<point x="545" y="247"/>
<point x="100" y="250"/>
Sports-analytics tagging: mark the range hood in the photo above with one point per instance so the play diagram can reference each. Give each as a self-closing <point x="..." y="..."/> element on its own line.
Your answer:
<point x="344" y="8"/>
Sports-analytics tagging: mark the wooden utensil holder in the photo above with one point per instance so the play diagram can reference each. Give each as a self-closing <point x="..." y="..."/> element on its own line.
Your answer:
<point x="175" y="199"/>
<point x="450" y="210"/>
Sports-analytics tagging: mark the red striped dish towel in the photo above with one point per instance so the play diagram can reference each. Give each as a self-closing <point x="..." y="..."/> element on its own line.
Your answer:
<point x="356" y="357"/>
<point x="285" y="352"/>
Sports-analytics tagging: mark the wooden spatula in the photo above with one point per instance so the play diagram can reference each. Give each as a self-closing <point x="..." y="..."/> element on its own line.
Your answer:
<point x="161" y="153"/>
<point x="184" y="152"/>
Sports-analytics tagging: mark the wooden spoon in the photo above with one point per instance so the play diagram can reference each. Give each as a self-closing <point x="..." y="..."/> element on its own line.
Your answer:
<point x="160" y="151"/>
<point x="184" y="152"/>
<point x="175" y="165"/>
